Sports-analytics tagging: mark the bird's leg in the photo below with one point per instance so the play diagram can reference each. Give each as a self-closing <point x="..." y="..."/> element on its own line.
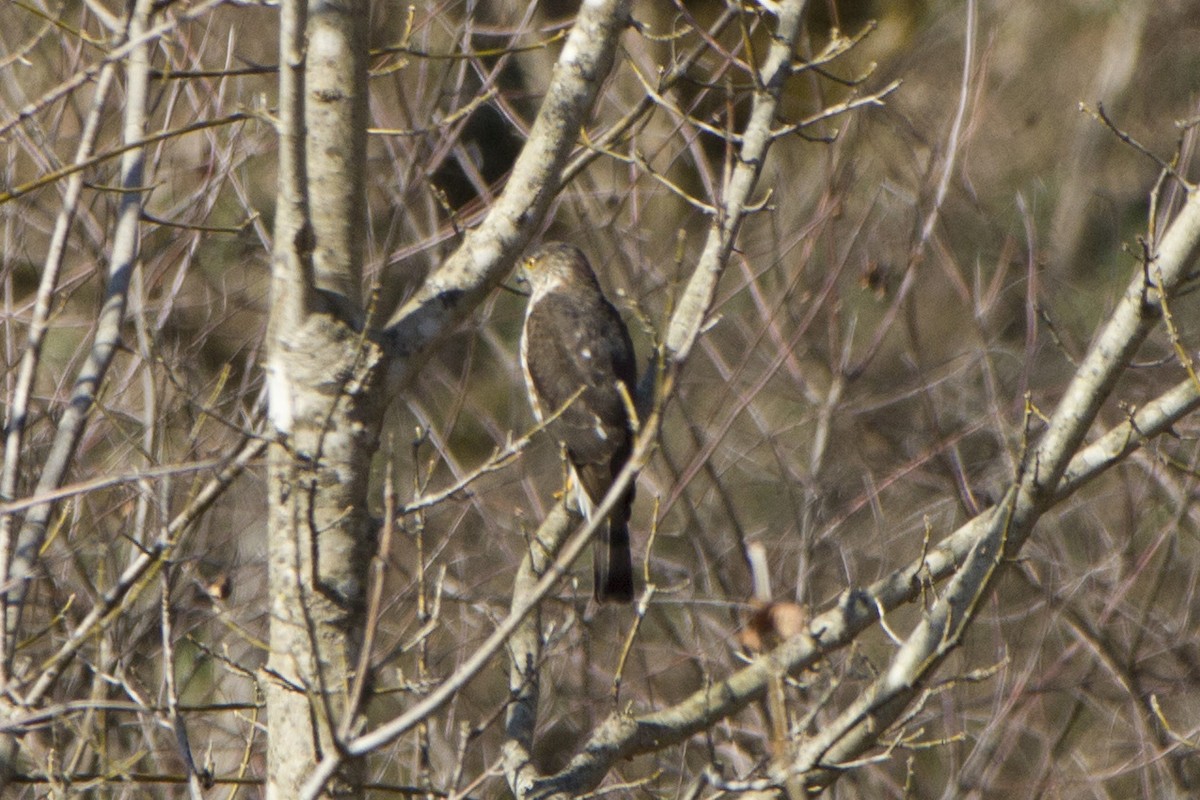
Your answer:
<point x="630" y="407"/>
<point x="566" y="468"/>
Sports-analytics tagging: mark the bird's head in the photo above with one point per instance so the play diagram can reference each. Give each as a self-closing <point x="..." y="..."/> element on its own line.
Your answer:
<point x="554" y="265"/>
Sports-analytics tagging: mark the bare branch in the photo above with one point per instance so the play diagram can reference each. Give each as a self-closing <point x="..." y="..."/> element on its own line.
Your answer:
<point x="124" y="254"/>
<point x="1009" y="524"/>
<point x="456" y="287"/>
<point x="472" y="666"/>
<point x="621" y="737"/>
<point x="697" y="299"/>
<point x="124" y="53"/>
<point x="17" y="410"/>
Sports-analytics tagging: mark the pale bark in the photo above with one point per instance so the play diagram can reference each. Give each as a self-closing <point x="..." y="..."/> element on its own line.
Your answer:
<point x="1008" y="526"/>
<point x="108" y="325"/>
<point x="325" y="403"/>
<point x="335" y="117"/>
<point x="325" y="369"/>
<point x="697" y="299"/>
<point x="20" y="568"/>
<point x="488" y="251"/>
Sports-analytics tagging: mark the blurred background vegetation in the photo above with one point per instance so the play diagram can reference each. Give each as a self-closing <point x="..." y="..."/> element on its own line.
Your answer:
<point x="907" y="284"/>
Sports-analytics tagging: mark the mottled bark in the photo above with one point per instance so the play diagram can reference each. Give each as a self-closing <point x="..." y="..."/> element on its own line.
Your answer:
<point x="325" y="403"/>
<point x="321" y="542"/>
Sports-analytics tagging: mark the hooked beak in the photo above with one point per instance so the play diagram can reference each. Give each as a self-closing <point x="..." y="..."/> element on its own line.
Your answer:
<point x="522" y="281"/>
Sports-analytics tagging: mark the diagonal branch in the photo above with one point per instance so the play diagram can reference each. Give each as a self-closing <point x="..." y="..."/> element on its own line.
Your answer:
<point x="1035" y="489"/>
<point x="525" y="650"/>
<point x="688" y="319"/>
<point x="108" y="327"/>
<point x="487" y="650"/>
<point x="483" y="259"/>
<point x="621" y="737"/>
<point x="128" y="51"/>
<point x="16" y="416"/>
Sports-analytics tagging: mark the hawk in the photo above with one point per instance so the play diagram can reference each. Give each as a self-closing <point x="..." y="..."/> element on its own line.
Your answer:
<point x="578" y="362"/>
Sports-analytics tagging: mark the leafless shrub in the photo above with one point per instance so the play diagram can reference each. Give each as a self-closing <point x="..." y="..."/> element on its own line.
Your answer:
<point x="919" y="313"/>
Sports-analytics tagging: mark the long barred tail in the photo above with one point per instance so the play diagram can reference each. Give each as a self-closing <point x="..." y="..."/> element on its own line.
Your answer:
<point x="612" y="561"/>
<point x="613" y="564"/>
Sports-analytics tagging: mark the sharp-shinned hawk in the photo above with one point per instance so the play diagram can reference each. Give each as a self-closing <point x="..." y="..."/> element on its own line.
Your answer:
<point x="579" y="362"/>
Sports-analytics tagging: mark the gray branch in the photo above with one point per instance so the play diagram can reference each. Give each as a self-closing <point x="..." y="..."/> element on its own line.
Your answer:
<point x="697" y="299"/>
<point x="622" y="737"/>
<point x="18" y="410"/>
<point x="108" y="325"/>
<point x="456" y="287"/>
<point x="1034" y="490"/>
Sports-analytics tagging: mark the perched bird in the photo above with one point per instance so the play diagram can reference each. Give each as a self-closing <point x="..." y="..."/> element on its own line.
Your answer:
<point x="578" y="360"/>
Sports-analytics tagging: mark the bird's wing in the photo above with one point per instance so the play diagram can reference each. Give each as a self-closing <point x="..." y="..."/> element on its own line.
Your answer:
<point x="578" y="351"/>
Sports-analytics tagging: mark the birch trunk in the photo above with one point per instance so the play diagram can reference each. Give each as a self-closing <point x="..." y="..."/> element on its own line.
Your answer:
<point x="326" y="405"/>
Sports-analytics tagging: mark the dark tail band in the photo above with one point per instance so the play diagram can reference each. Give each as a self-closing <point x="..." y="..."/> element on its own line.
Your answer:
<point x="613" y="571"/>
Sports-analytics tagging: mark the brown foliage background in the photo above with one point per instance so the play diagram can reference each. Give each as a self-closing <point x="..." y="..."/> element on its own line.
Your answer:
<point x="860" y="392"/>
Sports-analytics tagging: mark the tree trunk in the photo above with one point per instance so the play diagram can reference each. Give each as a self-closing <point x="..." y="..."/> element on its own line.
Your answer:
<point x="320" y="543"/>
<point x="325" y="398"/>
